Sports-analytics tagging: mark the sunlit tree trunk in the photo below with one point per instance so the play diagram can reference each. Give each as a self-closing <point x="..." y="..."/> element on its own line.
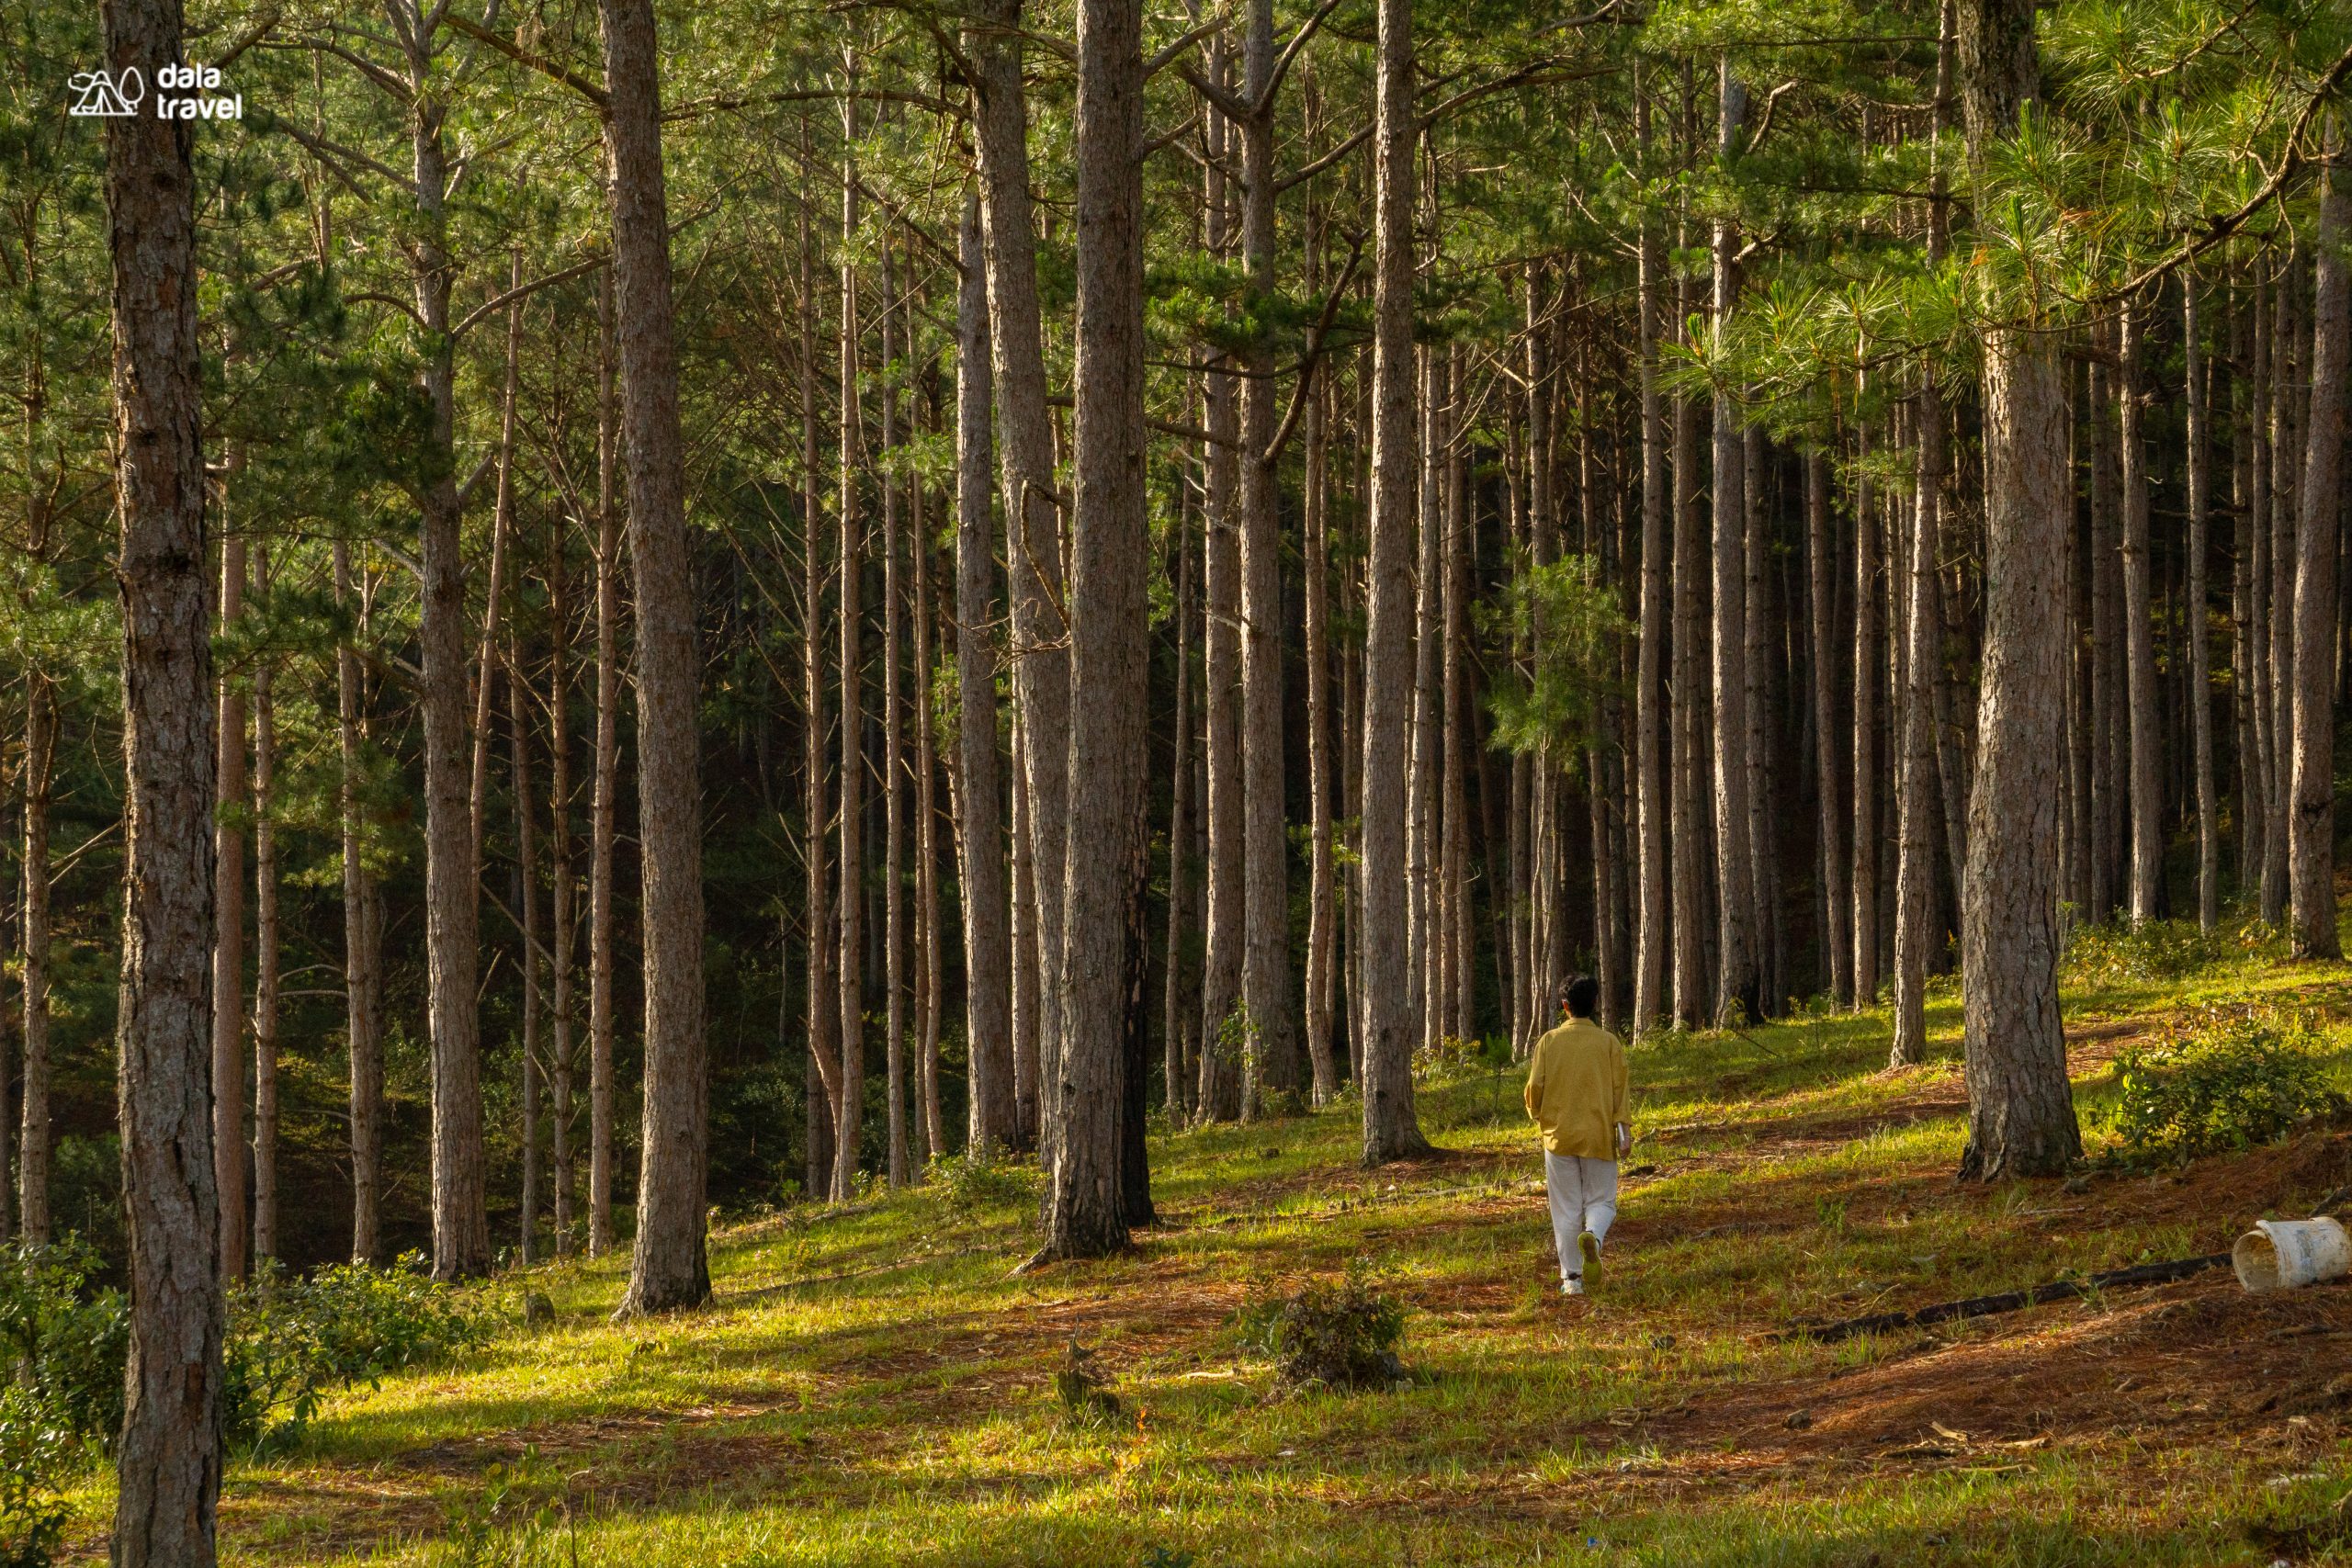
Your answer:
<point x="894" y="760"/>
<point x="361" y="932"/>
<point x="2139" y="633"/>
<point x="1652" y="934"/>
<point x="1738" y="996"/>
<point x="2201" y="674"/>
<point x="604" y="805"/>
<point x="2278" y="695"/>
<point x="668" y="1267"/>
<point x="526" y="895"/>
<point x="33" y="1146"/>
<point x="563" y="907"/>
<point x="2021" y="1112"/>
<point x="1266" y="970"/>
<point x="1322" y="907"/>
<point x="1915" y="803"/>
<point x="1391" y="1129"/>
<point x="167" y="1458"/>
<point x="1822" y="588"/>
<point x="849" y="1103"/>
<point x="266" y="951"/>
<point x="1086" y="1203"/>
<point x="986" y="942"/>
<point x="229" y="1152"/>
<point x="2310" y="829"/>
<point x="1033" y="503"/>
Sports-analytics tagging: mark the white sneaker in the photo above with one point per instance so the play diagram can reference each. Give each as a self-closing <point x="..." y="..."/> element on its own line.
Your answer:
<point x="1573" y="1285"/>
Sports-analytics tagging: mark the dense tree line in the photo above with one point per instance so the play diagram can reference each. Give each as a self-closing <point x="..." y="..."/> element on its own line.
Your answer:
<point x="1078" y="564"/>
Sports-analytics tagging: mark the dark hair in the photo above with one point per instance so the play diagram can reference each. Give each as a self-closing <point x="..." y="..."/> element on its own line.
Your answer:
<point x="1581" y="996"/>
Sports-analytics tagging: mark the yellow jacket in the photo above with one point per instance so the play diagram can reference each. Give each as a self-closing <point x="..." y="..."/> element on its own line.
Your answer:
<point x="1577" y="1090"/>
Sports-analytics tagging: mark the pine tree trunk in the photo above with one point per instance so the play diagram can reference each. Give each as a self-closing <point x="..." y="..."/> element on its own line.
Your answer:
<point x="2311" y="829"/>
<point x="604" y="805"/>
<point x="2021" y="1112"/>
<point x="2251" y="874"/>
<point x="1266" y="970"/>
<point x="1086" y="1205"/>
<point x="266" y="951"/>
<point x="2200" y="618"/>
<point x="1737" y="997"/>
<point x="1426" y="982"/>
<point x="2110" y="778"/>
<point x="361" y="955"/>
<point x="2140" y="636"/>
<point x="930" y="1126"/>
<point x="168" y="1457"/>
<point x="1222" y="973"/>
<point x="1869" y="666"/>
<point x="1689" y="834"/>
<point x="461" y="1219"/>
<point x="526" y="897"/>
<point x="1025" y="462"/>
<point x="894" y="761"/>
<point x="1391" y="1129"/>
<point x="1915" y="809"/>
<point x="1322" y="902"/>
<point x="1764" y="882"/>
<point x="1652" y="934"/>
<point x="849" y="1102"/>
<point x="560" y="1065"/>
<point x="33" y="1146"/>
<point x="668" y="1267"/>
<point x="1027" y="999"/>
<point x="821" y="1077"/>
<point x="1453" y="1001"/>
<point x="1836" y="889"/>
<point x="988" y="963"/>
<point x="2284" y="555"/>
<point x="1180" y="1075"/>
<point x="229" y="1152"/>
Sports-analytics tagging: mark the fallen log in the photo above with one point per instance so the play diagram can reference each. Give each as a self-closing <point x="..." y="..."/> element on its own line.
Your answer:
<point x="2006" y="1301"/>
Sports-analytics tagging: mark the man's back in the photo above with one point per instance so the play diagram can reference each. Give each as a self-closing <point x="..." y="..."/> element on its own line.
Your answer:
<point x="1577" y="1090"/>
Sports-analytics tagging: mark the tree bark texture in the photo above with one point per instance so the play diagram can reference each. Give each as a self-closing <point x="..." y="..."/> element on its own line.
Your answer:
<point x="668" y="1267"/>
<point x="168" y="1457"/>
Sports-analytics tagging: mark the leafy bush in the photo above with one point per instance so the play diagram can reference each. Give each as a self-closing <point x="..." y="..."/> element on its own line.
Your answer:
<point x="976" y="1181"/>
<point x="70" y="1336"/>
<point x="70" y="1340"/>
<point x="292" y="1340"/>
<point x="2234" y="1080"/>
<point x="1448" y="1057"/>
<point x="2155" y="950"/>
<point x="1340" y="1334"/>
<point x="35" y="1454"/>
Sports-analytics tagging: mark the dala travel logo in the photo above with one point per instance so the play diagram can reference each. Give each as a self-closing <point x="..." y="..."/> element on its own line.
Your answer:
<point x="183" y="92"/>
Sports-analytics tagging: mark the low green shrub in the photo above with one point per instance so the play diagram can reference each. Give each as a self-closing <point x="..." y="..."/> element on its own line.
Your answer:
<point x="1342" y="1333"/>
<point x="2155" y="950"/>
<point x="36" y="1453"/>
<point x="979" y="1181"/>
<point x="71" y="1335"/>
<point x="293" y="1340"/>
<point x="1448" y="1057"/>
<point x="2232" y="1080"/>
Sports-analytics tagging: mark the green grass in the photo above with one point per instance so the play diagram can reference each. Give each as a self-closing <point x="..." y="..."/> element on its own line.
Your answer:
<point x="875" y="1386"/>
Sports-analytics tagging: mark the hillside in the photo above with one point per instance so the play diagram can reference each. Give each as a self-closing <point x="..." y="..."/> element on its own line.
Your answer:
<point x="876" y="1386"/>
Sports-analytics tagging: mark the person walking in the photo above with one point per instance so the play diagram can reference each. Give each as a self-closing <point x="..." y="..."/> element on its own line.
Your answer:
<point x="1577" y="1090"/>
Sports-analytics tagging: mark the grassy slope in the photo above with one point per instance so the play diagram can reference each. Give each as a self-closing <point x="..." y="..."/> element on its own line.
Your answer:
<point x="873" y="1388"/>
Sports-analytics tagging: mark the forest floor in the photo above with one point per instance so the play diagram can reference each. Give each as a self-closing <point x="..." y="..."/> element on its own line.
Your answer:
<point x="874" y="1385"/>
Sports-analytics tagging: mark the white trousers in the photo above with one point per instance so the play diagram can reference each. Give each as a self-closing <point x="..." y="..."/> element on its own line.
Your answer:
<point x="1584" y="1198"/>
